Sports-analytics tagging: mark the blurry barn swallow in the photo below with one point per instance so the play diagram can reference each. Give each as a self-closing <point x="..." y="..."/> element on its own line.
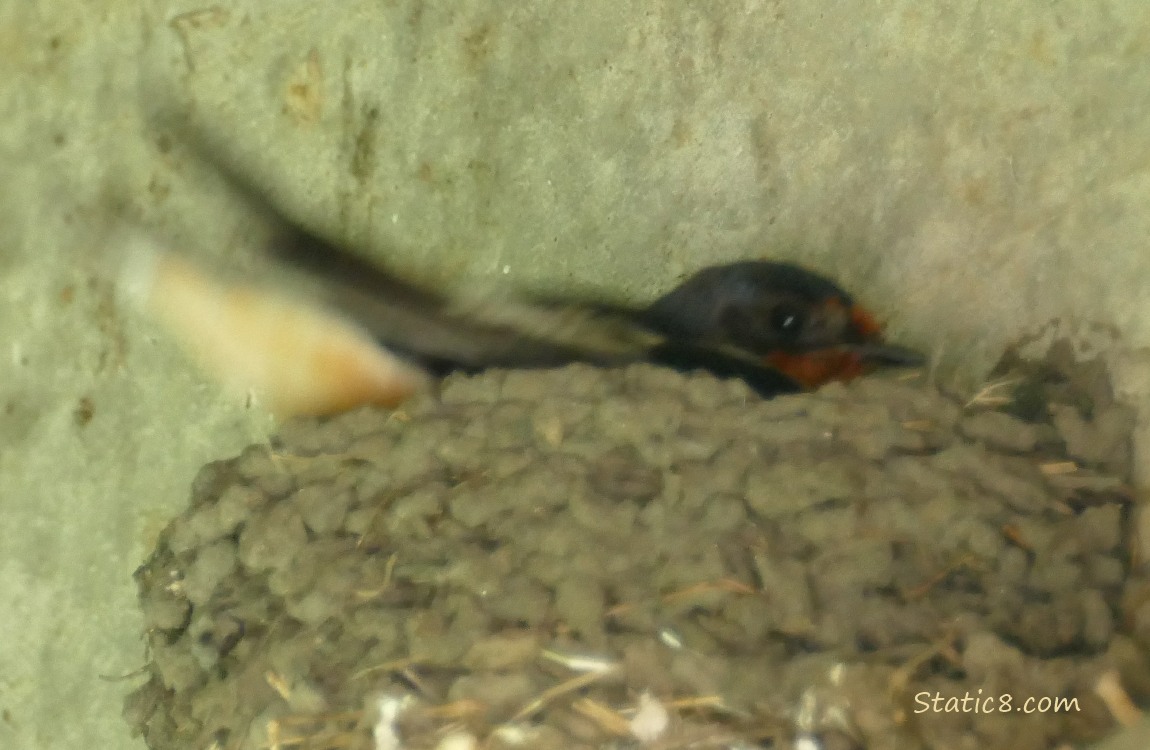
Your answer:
<point x="365" y="335"/>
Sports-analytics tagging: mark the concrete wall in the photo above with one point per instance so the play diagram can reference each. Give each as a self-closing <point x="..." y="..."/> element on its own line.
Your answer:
<point x="972" y="170"/>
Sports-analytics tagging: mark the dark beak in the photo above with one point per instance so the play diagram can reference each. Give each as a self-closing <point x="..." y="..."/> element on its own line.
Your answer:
<point x="887" y="355"/>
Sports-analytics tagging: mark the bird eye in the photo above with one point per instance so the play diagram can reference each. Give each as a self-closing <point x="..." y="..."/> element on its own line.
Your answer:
<point x="787" y="319"/>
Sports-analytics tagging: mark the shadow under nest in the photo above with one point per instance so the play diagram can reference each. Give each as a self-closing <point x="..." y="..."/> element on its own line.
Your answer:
<point x="586" y="558"/>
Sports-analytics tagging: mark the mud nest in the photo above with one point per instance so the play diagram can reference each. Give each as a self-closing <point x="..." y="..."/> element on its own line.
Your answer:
<point x="635" y="558"/>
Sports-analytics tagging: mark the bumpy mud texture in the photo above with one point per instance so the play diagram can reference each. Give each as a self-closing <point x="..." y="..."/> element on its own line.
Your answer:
<point x="526" y="558"/>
